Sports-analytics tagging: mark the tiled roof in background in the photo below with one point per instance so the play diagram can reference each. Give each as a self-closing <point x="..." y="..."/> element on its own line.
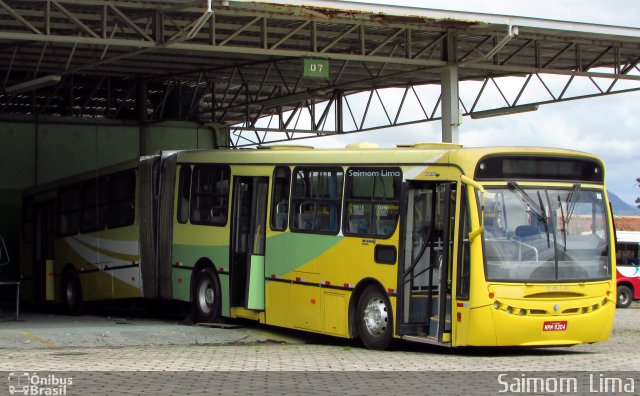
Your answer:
<point x="627" y="223"/>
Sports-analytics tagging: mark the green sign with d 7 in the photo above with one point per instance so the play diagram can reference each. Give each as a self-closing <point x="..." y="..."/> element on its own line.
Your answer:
<point x="318" y="68"/>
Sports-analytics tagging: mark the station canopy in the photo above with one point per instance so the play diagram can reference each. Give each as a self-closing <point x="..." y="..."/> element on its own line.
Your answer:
<point x="274" y="71"/>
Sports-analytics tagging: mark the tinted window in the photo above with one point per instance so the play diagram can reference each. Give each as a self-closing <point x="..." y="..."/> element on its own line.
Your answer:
<point x="94" y="206"/>
<point x="184" y="191"/>
<point x="372" y="201"/>
<point x="280" y="199"/>
<point x="122" y="193"/>
<point x="539" y="168"/>
<point x="317" y="194"/>
<point x="464" y="253"/>
<point x="69" y="206"/>
<point x="210" y="194"/>
<point x="627" y="253"/>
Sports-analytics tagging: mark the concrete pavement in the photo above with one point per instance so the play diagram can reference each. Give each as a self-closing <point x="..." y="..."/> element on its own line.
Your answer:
<point x="116" y="356"/>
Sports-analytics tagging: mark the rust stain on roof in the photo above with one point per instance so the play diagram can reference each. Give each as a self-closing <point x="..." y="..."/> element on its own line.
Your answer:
<point x="315" y="12"/>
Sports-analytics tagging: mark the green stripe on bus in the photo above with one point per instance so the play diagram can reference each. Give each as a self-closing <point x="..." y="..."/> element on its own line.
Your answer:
<point x="289" y="251"/>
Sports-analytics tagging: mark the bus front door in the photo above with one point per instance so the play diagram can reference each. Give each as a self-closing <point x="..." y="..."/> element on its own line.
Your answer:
<point x="424" y="292"/>
<point x="248" y="241"/>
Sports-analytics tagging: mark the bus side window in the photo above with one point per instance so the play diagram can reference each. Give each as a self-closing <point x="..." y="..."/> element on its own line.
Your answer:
<point x="280" y="198"/>
<point x="122" y="197"/>
<point x="373" y="201"/>
<point x="184" y="192"/>
<point x="210" y="194"/>
<point x="94" y="206"/>
<point x="316" y="200"/>
<point x="627" y="253"/>
<point x="69" y="207"/>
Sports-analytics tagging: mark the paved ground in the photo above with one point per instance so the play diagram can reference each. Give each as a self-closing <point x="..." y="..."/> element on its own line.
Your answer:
<point x="107" y="355"/>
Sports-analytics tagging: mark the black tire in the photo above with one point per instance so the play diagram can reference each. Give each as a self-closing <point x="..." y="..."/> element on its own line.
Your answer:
<point x="71" y="293"/>
<point x="625" y="297"/>
<point x="375" y="319"/>
<point x="206" y="297"/>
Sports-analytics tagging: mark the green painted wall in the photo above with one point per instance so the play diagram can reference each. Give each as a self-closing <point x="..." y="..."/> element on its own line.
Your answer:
<point x="17" y="156"/>
<point x="67" y="149"/>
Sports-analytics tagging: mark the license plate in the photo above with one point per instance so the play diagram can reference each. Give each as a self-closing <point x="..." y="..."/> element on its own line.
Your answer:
<point x="555" y="326"/>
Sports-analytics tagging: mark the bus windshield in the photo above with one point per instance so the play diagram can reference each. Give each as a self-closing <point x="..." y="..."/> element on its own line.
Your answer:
<point x="535" y="234"/>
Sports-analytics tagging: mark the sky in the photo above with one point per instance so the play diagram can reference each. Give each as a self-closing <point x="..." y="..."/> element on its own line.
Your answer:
<point x="608" y="127"/>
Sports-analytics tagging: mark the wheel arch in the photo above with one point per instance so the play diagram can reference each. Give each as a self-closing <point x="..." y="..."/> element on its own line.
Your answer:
<point x="627" y="284"/>
<point x="353" y="302"/>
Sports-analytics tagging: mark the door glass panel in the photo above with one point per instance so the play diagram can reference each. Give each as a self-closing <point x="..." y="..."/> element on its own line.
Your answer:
<point x="260" y="221"/>
<point x="425" y="294"/>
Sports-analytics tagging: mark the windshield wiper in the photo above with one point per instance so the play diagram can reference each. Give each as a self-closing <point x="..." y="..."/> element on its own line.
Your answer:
<point x="565" y="223"/>
<point x="571" y="204"/>
<point x="546" y="219"/>
<point x="537" y="209"/>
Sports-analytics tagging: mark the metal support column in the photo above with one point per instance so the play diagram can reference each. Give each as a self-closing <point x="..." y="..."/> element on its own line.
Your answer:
<point x="450" y="105"/>
<point x="449" y="90"/>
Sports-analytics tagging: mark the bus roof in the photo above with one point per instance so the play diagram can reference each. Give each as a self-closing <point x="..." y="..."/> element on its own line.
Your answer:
<point x="352" y="154"/>
<point x="421" y="153"/>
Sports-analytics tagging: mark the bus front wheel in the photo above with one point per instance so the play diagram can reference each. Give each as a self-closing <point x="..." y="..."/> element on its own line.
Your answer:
<point x="625" y="296"/>
<point x="375" y="319"/>
<point x="206" y="297"/>
<point x="71" y="293"/>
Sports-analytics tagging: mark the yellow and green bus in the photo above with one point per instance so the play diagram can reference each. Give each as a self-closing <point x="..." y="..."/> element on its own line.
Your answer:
<point x="430" y="242"/>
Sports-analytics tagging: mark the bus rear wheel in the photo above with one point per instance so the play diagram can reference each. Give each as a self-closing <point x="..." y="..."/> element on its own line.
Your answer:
<point x="625" y="296"/>
<point x="375" y="319"/>
<point x="206" y="297"/>
<point x="71" y="293"/>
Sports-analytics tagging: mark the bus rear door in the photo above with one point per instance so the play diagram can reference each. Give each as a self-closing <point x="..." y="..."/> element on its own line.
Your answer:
<point x="250" y="196"/>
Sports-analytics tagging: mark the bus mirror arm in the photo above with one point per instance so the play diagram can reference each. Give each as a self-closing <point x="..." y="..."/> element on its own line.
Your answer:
<point x="478" y="187"/>
<point x="469" y="181"/>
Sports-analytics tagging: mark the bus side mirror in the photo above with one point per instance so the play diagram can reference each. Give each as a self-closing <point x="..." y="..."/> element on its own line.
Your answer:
<point x="4" y="253"/>
<point x="478" y="187"/>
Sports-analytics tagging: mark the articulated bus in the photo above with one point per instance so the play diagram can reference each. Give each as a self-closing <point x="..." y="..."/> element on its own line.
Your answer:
<point x="431" y="243"/>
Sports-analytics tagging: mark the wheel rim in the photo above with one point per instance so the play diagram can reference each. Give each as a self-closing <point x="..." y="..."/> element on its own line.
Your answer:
<point x="623" y="298"/>
<point x="375" y="317"/>
<point x="206" y="296"/>
<point x="70" y="294"/>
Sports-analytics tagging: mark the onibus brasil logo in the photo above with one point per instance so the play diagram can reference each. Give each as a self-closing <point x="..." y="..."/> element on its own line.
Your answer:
<point x="33" y="384"/>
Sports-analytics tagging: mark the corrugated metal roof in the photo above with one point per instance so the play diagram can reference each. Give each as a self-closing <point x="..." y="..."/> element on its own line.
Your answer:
<point x="171" y="59"/>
